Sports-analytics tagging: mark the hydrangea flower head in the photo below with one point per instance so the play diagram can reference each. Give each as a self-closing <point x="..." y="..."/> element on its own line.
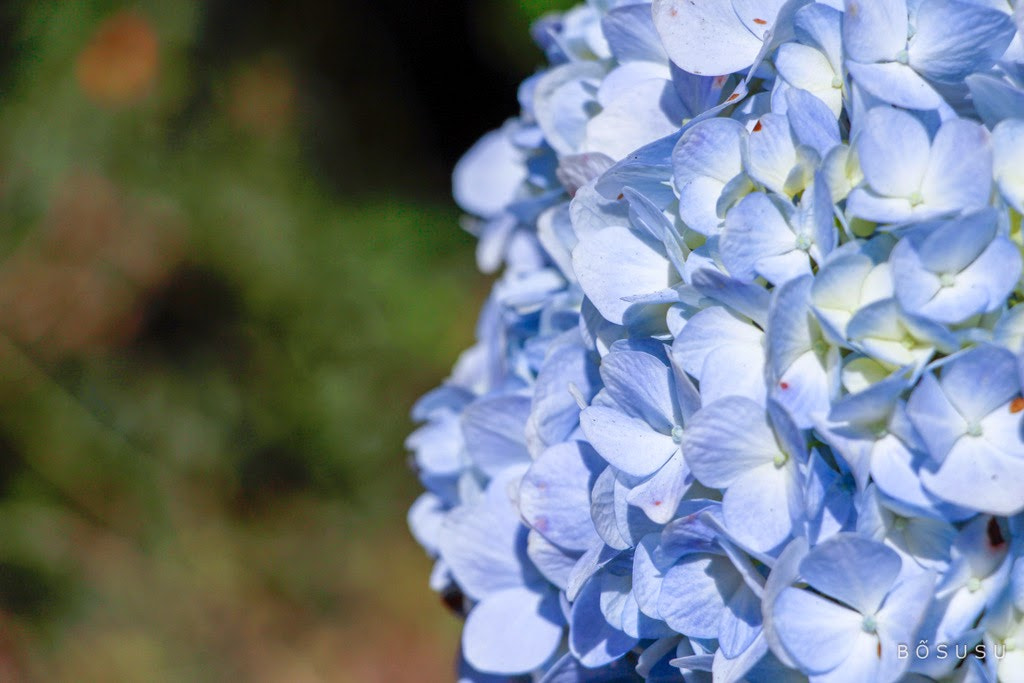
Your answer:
<point x="747" y="398"/>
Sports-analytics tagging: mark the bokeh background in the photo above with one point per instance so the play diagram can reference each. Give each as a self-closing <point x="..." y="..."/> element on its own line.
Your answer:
<point x="229" y="263"/>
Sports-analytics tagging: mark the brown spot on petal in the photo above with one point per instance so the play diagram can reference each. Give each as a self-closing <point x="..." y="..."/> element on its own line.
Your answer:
<point x="620" y="196"/>
<point x="657" y="503"/>
<point x="1017" y="405"/>
<point x="879" y="649"/>
<point x="995" y="534"/>
<point x="673" y="12"/>
<point x="758" y="126"/>
<point x="783" y="385"/>
<point x="732" y="97"/>
<point x="762" y="22"/>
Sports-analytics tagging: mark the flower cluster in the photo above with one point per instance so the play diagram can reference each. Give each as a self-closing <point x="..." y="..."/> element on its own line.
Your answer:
<point x="746" y="397"/>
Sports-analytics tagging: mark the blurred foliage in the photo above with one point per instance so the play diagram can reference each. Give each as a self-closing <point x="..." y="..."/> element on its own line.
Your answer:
<point x="208" y="351"/>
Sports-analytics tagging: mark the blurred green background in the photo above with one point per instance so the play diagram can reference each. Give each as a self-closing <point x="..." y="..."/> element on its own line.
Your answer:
<point x="229" y="264"/>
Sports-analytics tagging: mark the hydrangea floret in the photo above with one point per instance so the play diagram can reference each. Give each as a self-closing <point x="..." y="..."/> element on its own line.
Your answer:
<point x="746" y="398"/>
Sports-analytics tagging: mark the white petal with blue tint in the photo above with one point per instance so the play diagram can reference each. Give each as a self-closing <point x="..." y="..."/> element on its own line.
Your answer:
<point x="852" y="569"/>
<point x="817" y="633"/>
<point x="615" y="263"/>
<point x="1008" y="160"/>
<point x="953" y="39"/>
<point x="513" y="631"/>
<point x="959" y="172"/>
<point x="896" y="83"/>
<point x="894" y="150"/>
<point x="727" y="439"/>
<point x="710" y="38"/>
<point x="554" y="496"/>
<point x="626" y="442"/>
<point x="489" y="175"/>
<point x="762" y="505"/>
<point x="643" y="113"/>
<point x="874" y="30"/>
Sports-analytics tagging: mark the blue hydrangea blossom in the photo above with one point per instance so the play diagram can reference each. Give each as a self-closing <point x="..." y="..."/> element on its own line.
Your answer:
<point x="747" y="398"/>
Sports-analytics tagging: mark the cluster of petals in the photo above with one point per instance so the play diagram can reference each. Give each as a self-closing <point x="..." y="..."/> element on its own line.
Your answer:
<point x="746" y="398"/>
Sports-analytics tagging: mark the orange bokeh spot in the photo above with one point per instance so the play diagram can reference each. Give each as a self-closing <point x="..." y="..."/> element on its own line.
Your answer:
<point x="120" y="63"/>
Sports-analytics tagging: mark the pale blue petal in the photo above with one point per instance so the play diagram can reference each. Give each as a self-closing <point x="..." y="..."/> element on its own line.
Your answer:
<point x="555" y="413"/>
<point x="893" y="147"/>
<point x="959" y="172"/>
<point x="954" y="244"/>
<point x="709" y="330"/>
<point x="648" y="573"/>
<point x="980" y="380"/>
<point x="562" y="103"/>
<point x="759" y="506"/>
<point x="994" y="273"/>
<point x="626" y="442"/>
<point x="820" y="25"/>
<point x="893" y="471"/>
<point x="934" y="417"/>
<point x="707" y="38"/>
<point x="513" y="631"/>
<point x="643" y="113"/>
<point x="904" y="608"/>
<point x="874" y="30"/>
<point x="645" y="170"/>
<point x="747" y="299"/>
<point x="771" y="154"/>
<point x="488" y="177"/>
<point x="642" y="385"/>
<point x="817" y="633"/>
<point x="754" y="230"/>
<point x="812" y="122"/>
<point x="995" y="99"/>
<point x="691" y="532"/>
<point x="631" y="34"/>
<point x="494" y="431"/>
<point x="425" y="518"/>
<point x="807" y="69"/>
<point x="862" y="663"/>
<point x="615" y="263"/>
<point x="712" y="149"/>
<point x="789" y="323"/>
<point x="954" y="39"/>
<point x="689" y="399"/>
<point x="783" y="573"/>
<point x="896" y="83"/>
<point x="978" y="476"/>
<point x="694" y="592"/>
<point x="741" y="622"/>
<point x="644" y="214"/>
<point x="554" y="496"/>
<point x="871" y="206"/>
<point x="659" y="495"/>
<point x="805" y="390"/>
<point x="1004" y="428"/>
<point x="553" y="562"/>
<point x="852" y="569"/>
<point x="483" y="543"/>
<point x="592" y="639"/>
<point x="587" y="565"/>
<point x="698" y="200"/>
<point x="727" y="439"/>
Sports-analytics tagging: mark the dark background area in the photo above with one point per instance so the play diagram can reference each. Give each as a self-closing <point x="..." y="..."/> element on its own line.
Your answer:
<point x="229" y="264"/>
<point x="394" y="95"/>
